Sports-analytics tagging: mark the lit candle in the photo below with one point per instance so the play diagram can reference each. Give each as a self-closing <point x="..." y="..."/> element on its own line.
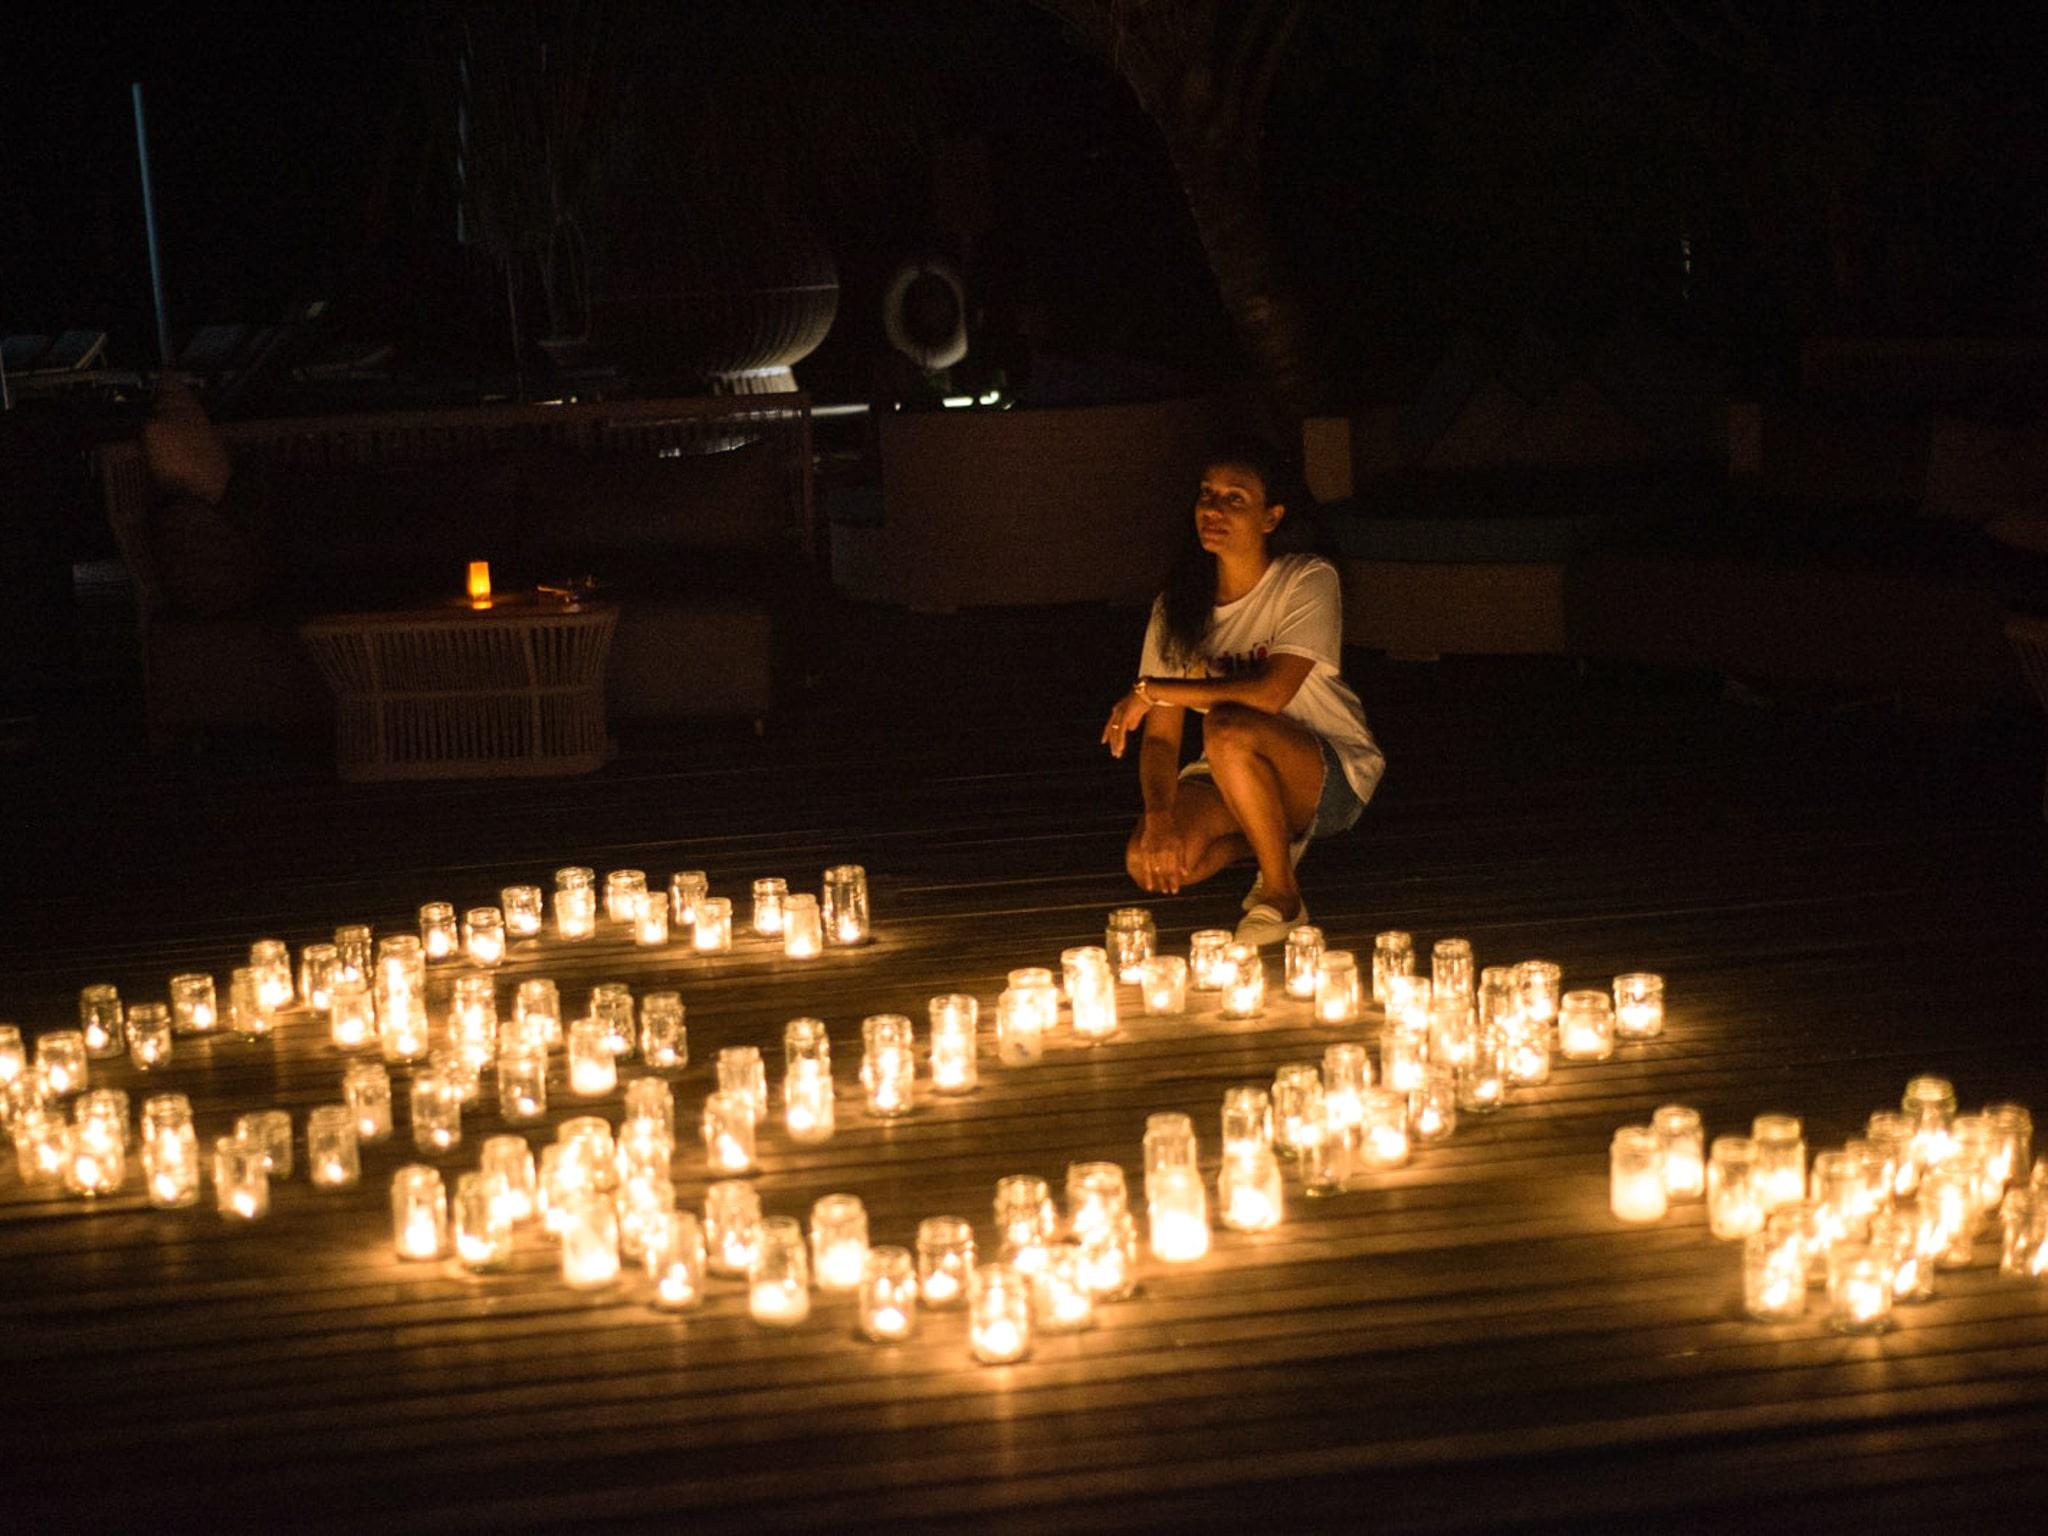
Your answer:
<point x="1163" y="983"/>
<point x="1092" y="992"/>
<point x="419" y="1213"/>
<point x="1636" y="1175"/>
<point x="149" y="1035"/>
<point x="771" y="898"/>
<point x="1178" y="1214"/>
<point x="1433" y="1108"/>
<point x="625" y="894"/>
<point x="318" y="967"/>
<point x="803" y="928"/>
<point x="1859" y="1289"/>
<point x="953" y="1020"/>
<point x="1248" y="1189"/>
<point x="650" y="925"/>
<point x="521" y="906"/>
<point x="672" y="1249"/>
<point x="351" y="1016"/>
<point x="1129" y="940"/>
<point x="1639" y="1005"/>
<point x="241" y="1179"/>
<point x="1897" y="1235"/>
<point x="779" y="1284"/>
<point x="60" y="1061"/>
<point x="729" y="1133"/>
<point x="590" y="1241"/>
<point x="1244" y="984"/>
<point x="170" y="1151"/>
<point x="99" y="1019"/>
<point x="193" y="1005"/>
<point x="888" y="1295"/>
<point x="508" y="1162"/>
<point x="843" y="902"/>
<point x="1542" y="984"/>
<point x="839" y="1242"/>
<point x="575" y="912"/>
<point x="439" y="936"/>
<point x="98" y="1161"/>
<point x="712" y="932"/>
<point x="366" y="1089"/>
<point x="1062" y="1297"/>
<point x="13" y="1056"/>
<point x="1404" y="1056"/>
<point x="1683" y="1149"/>
<point x="1393" y="954"/>
<point x="889" y="1066"/>
<point x="483" y="1226"/>
<point x="1347" y="1073"/>
<point x="1020" y="1028"/>
<point x="999" y="1327"/>
<point x="1297" y="1106"/>
<point x="741" y="1071"/>
<point x="480" y="583"/>
<point x="1208" y="966"/>
<point x="523" y="1082"/>
<point x="807" y="1108"/>
<point x="1773" y="1278"/>
<point x="945" y="1260"/>
<point x="1298" y="967"/>
<point x="1585" y="1026"/>
<point x="1025" y="1221"/>
<point x="732" y="1226"/>
<point x="270" y="1129"/>
<point x="1735" y="1202"/>
<point x="483" y="935"/>
<point x="1384" y="1123"/>
<point x="593" y="1069"/>
<point x="1780" y="1143"/>
<point x="1335" y="985"/>
<point x="1247" y="1118"/>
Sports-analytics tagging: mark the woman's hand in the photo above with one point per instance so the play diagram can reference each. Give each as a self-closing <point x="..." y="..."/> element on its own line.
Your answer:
<point x="1125" y="718"/>
<point x="1159" y="853"/>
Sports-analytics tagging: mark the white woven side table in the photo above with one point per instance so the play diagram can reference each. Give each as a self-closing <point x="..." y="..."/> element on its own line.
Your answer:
<point x="512" y="690"/>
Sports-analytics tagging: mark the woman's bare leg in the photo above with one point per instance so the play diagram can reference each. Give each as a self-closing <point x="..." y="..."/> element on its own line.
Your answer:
<point x="1269" y="773"/>
<point x="1209" y="839"/>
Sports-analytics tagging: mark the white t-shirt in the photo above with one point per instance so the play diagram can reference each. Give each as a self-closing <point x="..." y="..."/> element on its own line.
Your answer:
<point x="1296" y="609"/>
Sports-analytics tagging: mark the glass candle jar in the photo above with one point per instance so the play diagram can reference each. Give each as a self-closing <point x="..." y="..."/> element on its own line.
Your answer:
<point x="107" y="1110"/>
<point x="1248" y="1191"/>
<point x="522" y="911"/>
<point x="401" y="1009"/>
<point x="419" y="1213"/>
<point x="366" y="1089"/>
<point x="1092" y="992"/>
<point x="593" y="1069"/>
<point x="625" y="893"/>
<point x="13" y="1059"/>
<point x="1635" y="1174"/>
<point x="1097" y="1198"/>
<point x="589" y="1234"/>
<point x="354" y="952"/>
<point x="1170" y="1142"/>
<point x="741" y="1071"/>
<point x="1735" y="1197"/>
<point x="1393" y="954"/>
<point x="803" y="926"/>
<point x="771" y="894"/>
<point x="732" y="1226"/>
<point x="1177" y="1212"/>
<point x="888" y="1295"/>
<point x="483" y="935"/>
<point x="439" y="936"/>
<point x="483" y="1230"/>
<point x="1130" y="938"/>
<point x="650" y="924"/>
<point x="1020" y="1028"/>
<point x="843" y="902"/>
<point x="149" y="1035"/>
<point x="1298" y="962"/>
<point x="651" y="1099"/>
<point x="1859" y="1289"/>
<point x="953" y="1020"/>
<point x="241" y="1179"/>
<point x="1207" y="966"/>
<point x="1383" y="1125"/>
<point x="839" y="1241"/>
<point x="170" y="1151"/>
<point x="945" y="1260"/>
<point x="1542" y="984"/>
<point x="42" y="1145"/>
<point x="1878" y="1174"/>
<point x="1929" y="1105"/>
<point x="1949" y="1216"/>
<point x="779" y="1284"/>
<point x="1163" y="986"/>
<point x="1451" y="970"/>
<point x="1892" y="1133"/>
<point x="686" y="887"/>
<point x="523" y="1083"/>
<point x="1585" y="1026"/>
<point x="1040" y="988"/>
<point x="728" y="1134"/>
<point x="2012" y="1142"/>
<point x="712" y="932"/>
<point x="194" y="1009"/>
<point x="333" y="1160"/>
<point x="1433" y="1108"/>
<point x="1682" y="1144"/>
<point x="1409" y="999"/>
<point x="1297" y="1106"/>
<point x="1482" y="1081"/>
<point x="672" y="1250"/>
<point x="1526" y="1052"/>
<point x="1453" y="1029"/>
<point x="2023" y="1235"/>
<point x="575" y="912"/>
<point x="1026" y="1221"/>
<point x="888" y="1069"/>
<point x="1842" y="1207"/>
<point x="1897" y="1235"/>
<point x="436" y="1112"/>
<point x="1079" y="960"/>
<point x="1338" y="992"/>
<point x="99" y="1020"/>
<point x="1061" y="1301"/>
<point x="270" y="1129"/>
<point x="1347" y="1073"/>
<point x="351" y="1015"/>
<point x="1780" y="1142"/>
<point x="1244" y="988"/>
<point x="96" y="1157"/>
<point x="1773" y="1277"/>
<point x="538" y="1005"/>
<point x="1639" y="1005"/>
<point x="807" y="1100"/>
<point x="1974" y="1148"/>
<point x="318" y="965"/>
<point x="1404" y="1055"/>
<point x="999" y="1322"/>
<point x="1247" y="1118"/>
<point x="60" y="1061"/>
<point x="611" y="1003"/>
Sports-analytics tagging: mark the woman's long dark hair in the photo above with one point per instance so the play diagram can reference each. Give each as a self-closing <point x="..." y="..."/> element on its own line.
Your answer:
<point x="1190" y="594"/>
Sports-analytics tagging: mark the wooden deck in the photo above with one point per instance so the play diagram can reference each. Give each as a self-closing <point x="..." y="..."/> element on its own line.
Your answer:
<point x="1839" y="901"/>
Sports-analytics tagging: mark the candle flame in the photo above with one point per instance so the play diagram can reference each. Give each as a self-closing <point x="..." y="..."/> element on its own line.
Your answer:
<point x="480" y="583"/>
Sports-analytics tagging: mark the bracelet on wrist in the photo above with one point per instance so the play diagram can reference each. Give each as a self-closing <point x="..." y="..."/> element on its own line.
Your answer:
<point x="1143" y="689"/>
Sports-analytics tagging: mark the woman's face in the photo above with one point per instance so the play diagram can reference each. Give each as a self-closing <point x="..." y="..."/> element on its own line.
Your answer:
<point x="1232" y="515"/>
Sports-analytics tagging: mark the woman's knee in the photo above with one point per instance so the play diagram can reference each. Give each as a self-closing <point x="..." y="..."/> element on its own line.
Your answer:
<point x="1231" y="730"/>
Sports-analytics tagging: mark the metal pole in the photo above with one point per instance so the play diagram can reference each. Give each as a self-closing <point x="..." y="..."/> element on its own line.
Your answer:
<point x="156" y="263"/>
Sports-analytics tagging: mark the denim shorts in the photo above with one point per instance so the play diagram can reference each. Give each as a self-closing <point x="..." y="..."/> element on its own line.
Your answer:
<point x="1337" y="808"/>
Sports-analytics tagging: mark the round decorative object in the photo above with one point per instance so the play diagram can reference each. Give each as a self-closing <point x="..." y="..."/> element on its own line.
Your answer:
<point x="924" y="313"/>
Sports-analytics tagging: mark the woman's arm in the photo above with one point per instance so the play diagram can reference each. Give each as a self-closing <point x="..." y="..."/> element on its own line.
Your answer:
<point x="1269" y="686"/>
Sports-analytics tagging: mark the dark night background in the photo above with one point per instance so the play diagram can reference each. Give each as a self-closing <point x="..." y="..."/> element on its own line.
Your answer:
<point x="1865" y="168"/>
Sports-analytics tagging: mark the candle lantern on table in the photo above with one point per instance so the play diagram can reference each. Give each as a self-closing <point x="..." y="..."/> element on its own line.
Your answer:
<point x="440" y="938"/>
<point x="351" y="1014"/>
<point x="1483" y="1081"/>
<point x="1078" y="960"/>
<point x="1100" y="1220"/>
<point x="1585" y="1026"/>
<point x="99" y="1020"/>
<point x="945" y="1260"/>
<point x="999" y="1325"/>
<point x="803" y="926"/>
<point x="672" y="1249"/>
<point x="839" y="1242"/>
<point x="1248" y="1191"/>
<point x="1247" y="1118"/>
<point x="625" y="893"/>
<point x="479" y="584"/>
<point x="1177" y="1213"/>
<point x="247" y="1015"/>
<point x="194" y="1009"/>
<point x="1163" y="986"/>
<point x="2012" y="1131"/>
<point x="741" y="1071"/>
<point x="1393" y="954"/>
<point x="149" y="1035"/>
<point x="807" y="1093"/>
<point x="1841" y="1198"/>
<point x="1347" y="1073"/>
<point x="483" y="935"/>
<point x="1026" y="1221"/>
<point x="1383" y="1125"/>
<point x="843" y="902"/>
<point x="96" y="1161"/>
<point x="1338" y="991"/>
<point x="732" y="1226"/>
<point x="650" y="924"/>
<point x="1130" y="938"/>
<point x="1735" y="1196"/>
<point x="1949" y="1216"/>
<point x="1092" y="992"/>
<point x="652" y="1101"/>
<point x="1404" y="1055"/>
<point x="1639" y="1005"/>
<point x="270" y="1129"/>
<point x="611" y="1004"/>
<point x="1297" y="1106"/>
<point x="1929" y="1105"/>
<point x="1976" y="1149"/>
<point x="522" y="908"/>
<point x="1542" y="984"/>
<point x="13" y="1058"/>
<point x="1208" y="967"/>
<point x="1453" y="1029"/>
<point x="589" y="1235"/>
<point x="1061" y="1301"/>
<point x="1636" y="1175"/>
<point x="170" y="1151"/>
<point x="241" y="1179"/>
<point x="664" y="1038"/>
<point x="953" y="1020"/>
<point x="42" y="1144"/>
<point x="333" y="1158"/>
<point x="711" y="934"/>
<point x="888" y="1295"/>
<point x="61" y="1061"/>
<point x="1897" y="1235"/>
<point x="593" y="1069"/>
<point x="1327" y="1154"/>
<point x="2023" y="1234"/>
<point x="538" y="1005"/>
<point x="888" y="1068"/>
<point x="318" y="966"/>
<point x="1020" y="1028"/>
<point x="366" y="1089"/>
<point x="1408" y="1002"/>
<point x="1451" y="969"/>
<point x="354" y="952"/>
<point x="523" y="1083"/>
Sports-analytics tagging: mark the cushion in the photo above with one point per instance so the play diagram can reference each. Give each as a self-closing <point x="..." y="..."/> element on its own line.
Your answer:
<point x="183" y="451"/>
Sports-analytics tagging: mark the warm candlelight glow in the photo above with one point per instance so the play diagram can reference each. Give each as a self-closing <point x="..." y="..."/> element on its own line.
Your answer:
<point x="803" y="929"/>
<point x="1636" y="1175"/>
<point x="480" y="583"/>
